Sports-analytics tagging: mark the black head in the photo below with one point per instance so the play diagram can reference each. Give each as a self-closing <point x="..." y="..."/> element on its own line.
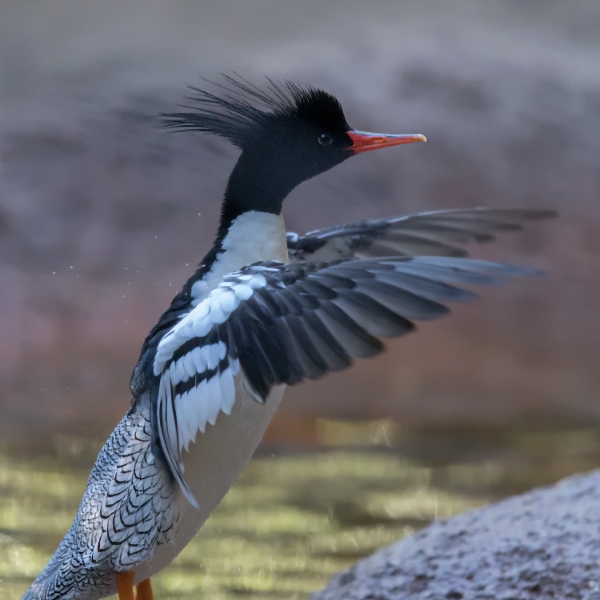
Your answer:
<point x="287" y="135"/>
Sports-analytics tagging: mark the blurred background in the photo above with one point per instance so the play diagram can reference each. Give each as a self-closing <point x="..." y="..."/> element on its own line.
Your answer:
<point x="103" y="216"/>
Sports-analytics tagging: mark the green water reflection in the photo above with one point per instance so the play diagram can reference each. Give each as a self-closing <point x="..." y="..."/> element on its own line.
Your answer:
<point x="294" y="519"/>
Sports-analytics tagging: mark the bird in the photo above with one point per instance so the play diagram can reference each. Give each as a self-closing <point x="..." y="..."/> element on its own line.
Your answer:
<point x="265" y="309"/>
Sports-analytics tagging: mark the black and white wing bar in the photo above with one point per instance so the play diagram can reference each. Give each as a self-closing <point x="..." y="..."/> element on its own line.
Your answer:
<point x="273" y="324"/>
<point x="428" y="233"/>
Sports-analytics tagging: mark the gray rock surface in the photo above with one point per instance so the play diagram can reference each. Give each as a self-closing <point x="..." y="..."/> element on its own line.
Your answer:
<point x="542" y="545"/>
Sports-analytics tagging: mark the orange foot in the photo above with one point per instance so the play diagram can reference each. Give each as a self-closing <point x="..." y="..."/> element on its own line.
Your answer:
<point x="144" y="590"/>
<point x="125" y="587"/>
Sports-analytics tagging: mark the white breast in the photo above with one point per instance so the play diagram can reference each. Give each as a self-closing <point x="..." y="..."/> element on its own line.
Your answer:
<point x="253" y="236"/>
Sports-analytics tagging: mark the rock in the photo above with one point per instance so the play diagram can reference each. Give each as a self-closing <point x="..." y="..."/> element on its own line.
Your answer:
<point x="544" y="544"/>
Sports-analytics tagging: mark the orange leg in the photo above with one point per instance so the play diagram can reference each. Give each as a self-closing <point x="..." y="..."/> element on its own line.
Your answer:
<point x="125" y="585"/>
<point x="144" y="590"/>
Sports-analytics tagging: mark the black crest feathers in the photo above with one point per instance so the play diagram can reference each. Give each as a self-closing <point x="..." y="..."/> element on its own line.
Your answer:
<point x="242" y="110"/>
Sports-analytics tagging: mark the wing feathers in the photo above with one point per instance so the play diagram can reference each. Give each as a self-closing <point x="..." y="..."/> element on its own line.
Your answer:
<point x="351" y="336"/>
<point x="329" y="347"/>
<point x="280" y="324"/>
<point x="428" y="233"/>
<point x="409" y="304"/>
<point x="377" y="319"/>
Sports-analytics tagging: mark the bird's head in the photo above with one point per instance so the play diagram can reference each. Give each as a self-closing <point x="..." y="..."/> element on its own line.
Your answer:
<point x="287" y="135"/>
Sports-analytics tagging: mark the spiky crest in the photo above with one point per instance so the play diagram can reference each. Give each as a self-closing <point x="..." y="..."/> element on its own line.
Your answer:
<point x="243" y="110"/>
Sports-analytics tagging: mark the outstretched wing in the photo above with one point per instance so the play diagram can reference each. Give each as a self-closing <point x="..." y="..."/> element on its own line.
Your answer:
<point x="273" y="324"/>
<point x="428" y="233"/>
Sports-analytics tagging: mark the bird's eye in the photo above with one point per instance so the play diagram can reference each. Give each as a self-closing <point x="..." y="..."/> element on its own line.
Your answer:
<point x="325" y="140"/>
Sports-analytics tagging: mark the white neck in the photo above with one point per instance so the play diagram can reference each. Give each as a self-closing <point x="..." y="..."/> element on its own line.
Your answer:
<point x="252" y="237"/>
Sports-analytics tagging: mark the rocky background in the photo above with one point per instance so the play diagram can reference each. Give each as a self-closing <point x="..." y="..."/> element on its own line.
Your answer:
<point x="103" y="215"/>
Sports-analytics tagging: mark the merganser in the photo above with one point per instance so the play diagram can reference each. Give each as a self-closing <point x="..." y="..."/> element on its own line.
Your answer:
<point x="263" y="310"/>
